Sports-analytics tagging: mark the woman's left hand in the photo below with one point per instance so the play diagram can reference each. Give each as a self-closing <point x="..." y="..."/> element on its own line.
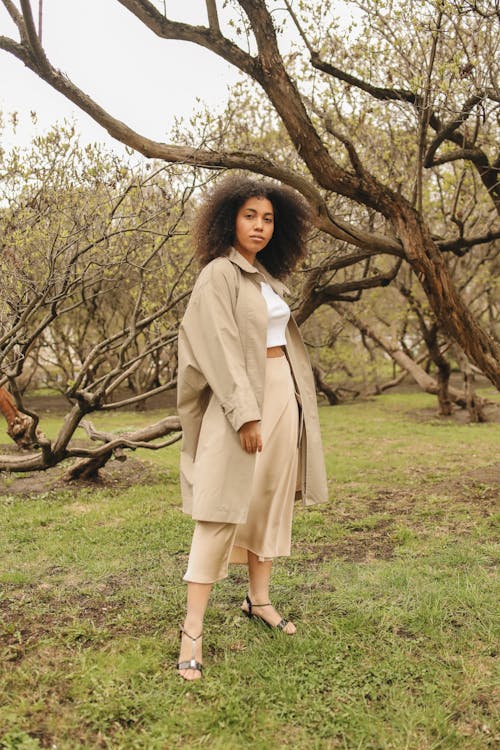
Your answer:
<point x="250" y="437"/>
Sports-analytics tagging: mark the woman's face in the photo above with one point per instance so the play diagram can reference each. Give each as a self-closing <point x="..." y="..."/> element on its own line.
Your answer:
<point x="254" y="227"/>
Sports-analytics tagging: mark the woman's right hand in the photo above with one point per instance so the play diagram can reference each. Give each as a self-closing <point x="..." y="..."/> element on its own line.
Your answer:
<point x="250" y="437"/>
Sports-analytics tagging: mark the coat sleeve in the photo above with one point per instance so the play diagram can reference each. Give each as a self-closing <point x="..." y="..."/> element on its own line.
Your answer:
<point x="211" y="335"/>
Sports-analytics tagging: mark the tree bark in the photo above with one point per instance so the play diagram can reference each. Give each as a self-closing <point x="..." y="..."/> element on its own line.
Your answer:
<point x="473" y="403"/>
<point x="449" y="308"/>
<point x="87" y="468"/>
<point x="445" y="402"/>
<point x="324" y="388"/>
<point x="18" y="424"/>
<point x="443" y="370"/>
<point x="94" y="457"/>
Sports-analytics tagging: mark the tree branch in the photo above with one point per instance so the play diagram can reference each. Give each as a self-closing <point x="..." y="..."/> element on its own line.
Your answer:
<point x="335" y="264"/>
<point x="213" y="17"/>
<point x="349" y="146"/>
<point x="465" y="243"/>
<point x="378" y="92"/>
<point x="140" y="397"/>
<point x="446" y="131"/>
<point x="299" y="27"/>
<point x="333" y="291"/>
<point x="204" y="158"/>
<point x="16" y="17"/>
<point x="317" y="294"/>
<point x="425" y="113"/>
<point x="469" y="154"/>
<point x="10" y="45"/>
<point x="139" y="439"/>
<point x="288" y="103"/>
<point x="488" y="174"/>
<point x="32" y="36"/>
<point x="209" y="38"/>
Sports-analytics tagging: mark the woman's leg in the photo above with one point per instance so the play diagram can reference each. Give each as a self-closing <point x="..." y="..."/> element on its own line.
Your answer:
<point x="259" y="574"/>
<point x="197" y="600"/>
<point x="208" y="560"/>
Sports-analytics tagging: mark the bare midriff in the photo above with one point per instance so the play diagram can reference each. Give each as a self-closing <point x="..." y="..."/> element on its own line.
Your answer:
<point x="275" y="351"/>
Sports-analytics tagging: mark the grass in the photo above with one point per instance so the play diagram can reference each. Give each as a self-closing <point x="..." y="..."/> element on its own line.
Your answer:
<point x="392" y="585"/>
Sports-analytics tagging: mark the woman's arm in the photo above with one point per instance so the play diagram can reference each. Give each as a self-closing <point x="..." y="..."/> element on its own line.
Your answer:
<point x="209" y="340"/>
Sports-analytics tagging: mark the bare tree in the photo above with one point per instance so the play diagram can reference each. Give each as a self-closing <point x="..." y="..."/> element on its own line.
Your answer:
<point x="396" y="350"/>
<point x="88" y="282"/>
<point x="440" y="134"/>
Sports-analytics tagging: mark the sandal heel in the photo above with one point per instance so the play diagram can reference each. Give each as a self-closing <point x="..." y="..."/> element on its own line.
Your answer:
<point x="251" y="615"/>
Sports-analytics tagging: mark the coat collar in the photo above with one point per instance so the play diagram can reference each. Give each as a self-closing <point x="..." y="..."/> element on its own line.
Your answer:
<point x="238" y="259"/>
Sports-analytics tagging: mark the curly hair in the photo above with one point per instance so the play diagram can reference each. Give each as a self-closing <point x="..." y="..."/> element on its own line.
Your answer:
<point x="215" y="226"/>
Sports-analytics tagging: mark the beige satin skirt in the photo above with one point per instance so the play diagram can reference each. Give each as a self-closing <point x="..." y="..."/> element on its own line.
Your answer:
<point x="267" y="531"/>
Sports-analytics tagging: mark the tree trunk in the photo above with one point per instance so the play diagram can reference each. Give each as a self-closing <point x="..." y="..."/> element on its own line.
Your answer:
<point x="18" y="424"/>
<point x="324" y="388"/>
<point x="472" y="401"/>
<point x="93" y="458"/>
<point x="443" y="367"/>
<point x="449" y="308"/>
<point x="87" y="468"/>
<point x="419" y="375"/>
<point x="443" y="379"/>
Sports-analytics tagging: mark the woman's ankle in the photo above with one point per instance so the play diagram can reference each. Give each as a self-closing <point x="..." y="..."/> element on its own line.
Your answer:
<point x="193" y="626"/>
<point x="258" y="597"/>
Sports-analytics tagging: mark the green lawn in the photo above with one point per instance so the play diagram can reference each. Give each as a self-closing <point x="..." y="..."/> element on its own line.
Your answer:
<point x="392" y="586"/>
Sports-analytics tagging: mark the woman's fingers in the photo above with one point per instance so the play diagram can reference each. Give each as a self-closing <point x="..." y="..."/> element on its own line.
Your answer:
<point x="250" y="437"/>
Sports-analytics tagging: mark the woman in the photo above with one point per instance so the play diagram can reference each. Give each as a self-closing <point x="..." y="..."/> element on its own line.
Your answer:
<point x="246" y="400"/>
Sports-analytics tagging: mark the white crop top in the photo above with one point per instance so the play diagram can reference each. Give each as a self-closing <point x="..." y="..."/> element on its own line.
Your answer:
<point x="278" y="315"/>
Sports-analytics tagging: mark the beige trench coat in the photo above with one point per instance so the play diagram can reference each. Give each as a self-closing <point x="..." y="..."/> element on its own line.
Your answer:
<point x="222" y="359"/>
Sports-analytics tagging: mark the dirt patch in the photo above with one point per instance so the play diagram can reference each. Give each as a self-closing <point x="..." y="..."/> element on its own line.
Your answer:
<point x="479" y="488"/>
<point x="459" y="416"/>
<point x="396" y="502"/>
<point x="478" y="491"/>
<point x="486" y="475"/>
<point x="27" y="616"/>
<point x="116" y="474"/>
<point x="356" y="549"/>
<point x="359" y="546"/>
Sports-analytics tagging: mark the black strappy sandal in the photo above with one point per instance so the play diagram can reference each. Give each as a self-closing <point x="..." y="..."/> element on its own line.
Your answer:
<point x="250" y="614"/>
<point x="192" y="663"/>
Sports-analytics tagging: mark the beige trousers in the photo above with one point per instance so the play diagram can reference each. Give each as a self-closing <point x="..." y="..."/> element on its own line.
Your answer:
<point x="267" y="531"/>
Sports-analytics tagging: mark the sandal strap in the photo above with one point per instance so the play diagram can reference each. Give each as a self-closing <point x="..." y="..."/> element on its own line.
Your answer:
<point x="282" y="623"/>
<point x="268" y="604"/>
<point x="251" y="604"/>
<point x="184" y="632"/>
<point x="192" y="664"/>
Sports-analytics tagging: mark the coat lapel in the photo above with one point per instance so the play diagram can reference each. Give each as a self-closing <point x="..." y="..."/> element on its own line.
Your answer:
<point x="238" y="259"/>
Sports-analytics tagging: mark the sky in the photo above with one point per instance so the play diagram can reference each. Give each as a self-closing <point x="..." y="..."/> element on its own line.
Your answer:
<point x="145" y="81"/>
<point x="104" y="49"/>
